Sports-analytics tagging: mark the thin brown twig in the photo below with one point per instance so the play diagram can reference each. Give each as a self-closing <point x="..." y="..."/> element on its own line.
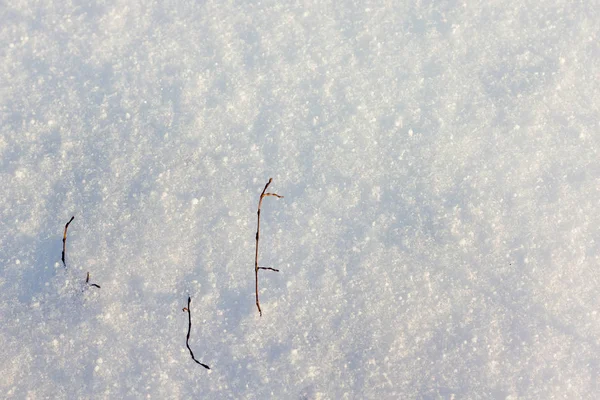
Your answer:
<point x="65" y="241"/>
<point x="87" y="280"/>
<point x="272" y="269"/>
<point x="256" y="267"/>
<point x="187" y="340"/>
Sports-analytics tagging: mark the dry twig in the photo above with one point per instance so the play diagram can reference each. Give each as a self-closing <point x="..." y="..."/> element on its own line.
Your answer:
<point x="187" y="341"/>
<point x="87" y="280"/>
<point x="256" y="267"/>
<point x="65" y="241"/>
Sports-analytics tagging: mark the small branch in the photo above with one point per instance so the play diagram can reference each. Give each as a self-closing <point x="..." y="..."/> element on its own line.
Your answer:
<point x="256" y="267"/>
<point x="187" y="341"/>
<point x="65" y="241"/>
<point x="87" y="280"/>
<point x="272" y="269"/>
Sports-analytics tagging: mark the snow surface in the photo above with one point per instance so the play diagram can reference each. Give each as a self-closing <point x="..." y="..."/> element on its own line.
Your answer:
<point x="439" y="235"/>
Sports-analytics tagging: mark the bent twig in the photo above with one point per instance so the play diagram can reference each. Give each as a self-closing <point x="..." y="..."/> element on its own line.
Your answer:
<point x="87" y="280"/>
<point x="65" y="241"/>
<point x="187" y="340"/>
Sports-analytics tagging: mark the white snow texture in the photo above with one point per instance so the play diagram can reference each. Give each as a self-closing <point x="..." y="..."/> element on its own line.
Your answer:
<point x="439" y="235"/>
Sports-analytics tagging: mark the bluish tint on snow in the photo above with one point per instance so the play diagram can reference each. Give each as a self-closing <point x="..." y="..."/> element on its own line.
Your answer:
<point x="439" y="235"/>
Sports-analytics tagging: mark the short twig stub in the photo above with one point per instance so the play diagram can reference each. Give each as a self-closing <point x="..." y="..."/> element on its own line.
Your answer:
<point x="87" y="280"/>
<point x="65" y="241"/>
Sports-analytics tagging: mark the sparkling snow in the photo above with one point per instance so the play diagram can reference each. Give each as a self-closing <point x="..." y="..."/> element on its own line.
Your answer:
<point x="439" y="235"/>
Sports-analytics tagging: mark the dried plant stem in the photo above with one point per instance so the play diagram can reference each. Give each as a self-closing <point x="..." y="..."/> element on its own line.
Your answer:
<point x="65" y="241"/>
<point x="256" y="267"/>
<point x="87" y="280"/>
<point x="187" y="340"/>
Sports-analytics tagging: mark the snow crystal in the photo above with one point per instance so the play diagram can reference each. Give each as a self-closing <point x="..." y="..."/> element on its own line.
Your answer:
<point x="438" y="237"/>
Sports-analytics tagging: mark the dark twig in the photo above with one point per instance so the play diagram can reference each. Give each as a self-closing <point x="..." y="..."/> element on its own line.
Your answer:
<point x="256" y="267"/>
<point x="272" y="269"/>
<point x="187" y="340"/>
<point x="87" y="280"/>
<point x="65" y="241"/>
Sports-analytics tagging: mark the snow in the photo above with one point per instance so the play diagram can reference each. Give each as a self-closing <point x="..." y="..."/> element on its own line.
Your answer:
<point x="438" y="237"/>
